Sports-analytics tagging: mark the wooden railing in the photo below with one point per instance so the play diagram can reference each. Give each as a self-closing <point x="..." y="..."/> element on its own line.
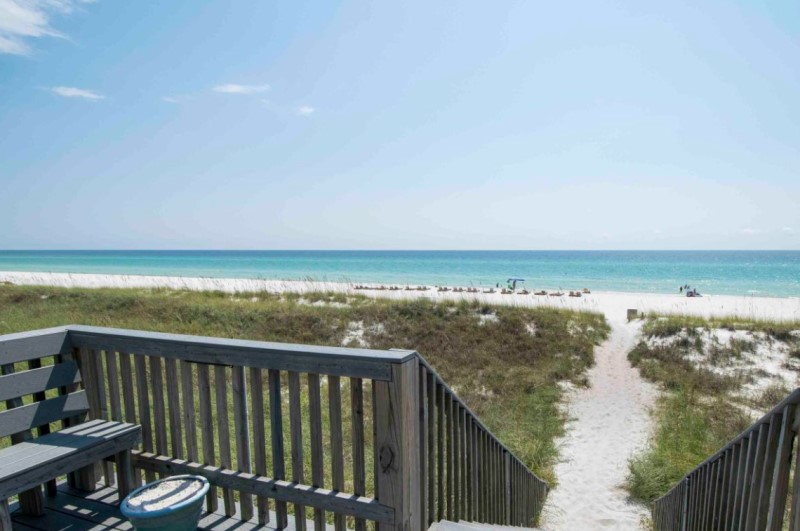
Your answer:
<point x="375" y="438"/>
<point x="746" y="484"/>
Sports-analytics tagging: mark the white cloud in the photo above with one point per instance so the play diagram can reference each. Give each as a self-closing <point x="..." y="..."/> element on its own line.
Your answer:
<point x="72" y="92"/>
<point x="305" y="110"/>
<point x="787" y="230"/>
<point x="233" y="88"/>
<point x="21" y="20"/>
<point x="169" y="99"/>
<point x="748" y="231"/>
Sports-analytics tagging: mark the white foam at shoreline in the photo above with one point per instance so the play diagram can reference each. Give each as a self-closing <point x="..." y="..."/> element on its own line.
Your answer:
<point x="612" y="304"/>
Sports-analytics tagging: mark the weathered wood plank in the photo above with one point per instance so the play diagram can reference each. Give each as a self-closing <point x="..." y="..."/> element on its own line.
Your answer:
<point x="224" y="433"/>
<point x="336" y="442"/>
<point x="241" y="430"/>
<point x="259" y="438"/>
<point x="281" y="490"/>
<point x="448" y="407"/>
<point x="143" y="396"/>
<point x="440" y="443"/>
<point x="26" y="346"/>
<point x="31" y="499"/>
<point x="36" y="414"/>
<point x="317" y="458"/>
<point x="50" y="486"/>
<point x="39" y="462"/>
<point x="339" y="361"/>
<point x="127" y="380"/>
<point x="780" y="475"/>
<point x="19" y="384"/>
<point x="358" y="443"/>
<point x="296" y="437"/>
<point x="430" y="384"/>
<point x="189" y="417"/>
<point x="206" y="429"/>
<point x="768" y="470"/>
<point x="276" y="428"/>
<point x="114" y="394"/>
<point x="174" y="408"/>
<point x="396" y="412"/>
<point x="159" y="407"/>
<point x="422" y="402"/>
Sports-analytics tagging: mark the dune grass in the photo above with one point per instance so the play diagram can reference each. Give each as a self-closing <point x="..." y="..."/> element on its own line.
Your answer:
<point x="704" y="405"/>
<point x="505" y="362"/>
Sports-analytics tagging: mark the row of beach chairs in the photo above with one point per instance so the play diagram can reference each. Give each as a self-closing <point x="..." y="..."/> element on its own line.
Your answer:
<point x="444" y="289"/>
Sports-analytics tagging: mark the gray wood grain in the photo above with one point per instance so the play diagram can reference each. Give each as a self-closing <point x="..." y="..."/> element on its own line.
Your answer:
<point x="276" y="428"/>
<point x="259" y="437"/>
<point x="224" y="433"/>
<point x="281" y="490"/>
<point x="241" y="431"/>
<point x="31" y="381"/>
<point x="296" y="438"/>
<point x="363" y="363"/>
<point x="36" y="414"/>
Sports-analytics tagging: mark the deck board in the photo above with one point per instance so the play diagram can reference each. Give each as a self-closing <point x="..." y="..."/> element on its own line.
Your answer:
<point x="75" y="510"/>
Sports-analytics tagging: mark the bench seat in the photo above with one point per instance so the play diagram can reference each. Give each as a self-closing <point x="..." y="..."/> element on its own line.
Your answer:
<point x="30" y="463"/>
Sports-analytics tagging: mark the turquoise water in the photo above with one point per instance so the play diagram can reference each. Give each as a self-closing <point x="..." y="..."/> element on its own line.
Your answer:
<point x="766" y="273"/>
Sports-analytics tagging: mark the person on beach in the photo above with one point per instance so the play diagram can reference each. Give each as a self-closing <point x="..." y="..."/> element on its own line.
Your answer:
<point x="680" y="290"/>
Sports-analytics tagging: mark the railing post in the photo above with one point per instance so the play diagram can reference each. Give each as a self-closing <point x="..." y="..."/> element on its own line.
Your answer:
<point x="397" y="441"/>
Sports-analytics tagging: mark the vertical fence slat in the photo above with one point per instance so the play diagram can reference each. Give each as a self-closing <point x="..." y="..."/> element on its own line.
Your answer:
<point x="449" y="463"/>
<point x="358" y="443"/>
<point x="143" y="395"/>
<point x="756" y="476"/>
<point x="296" y="438"/>
<point x="259" y="438"/>
<point x="768" y="470"/>
<point x="440" y="438"/>
<point x="317" y="459"/>
<point x="276" y="428"/>
<point x="207" y="429"/>
<point x="159" y="413"/>
<point x="241" y="430"/>
<point x="337" y="451"/>
<point x="174" y="406"/>
<point x="189" y="420"/>
<point x="113" y="386"/>
<point x="423" y="447"/>
<point x="431" y="463"/>
<point x="224" y="433"/>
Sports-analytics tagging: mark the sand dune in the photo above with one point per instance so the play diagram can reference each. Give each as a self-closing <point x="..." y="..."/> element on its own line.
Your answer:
<point x="612" y="304"/>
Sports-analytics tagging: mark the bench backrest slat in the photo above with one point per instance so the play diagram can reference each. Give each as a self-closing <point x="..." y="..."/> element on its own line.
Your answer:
<point x="19" y="384"/>
<point x="33" y="415"/>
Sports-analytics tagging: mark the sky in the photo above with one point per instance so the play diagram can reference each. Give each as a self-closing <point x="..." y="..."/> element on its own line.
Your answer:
<point x="399" y="125"/>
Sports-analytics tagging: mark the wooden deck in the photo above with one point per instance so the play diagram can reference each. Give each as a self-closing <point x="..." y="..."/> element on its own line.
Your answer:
<point x="75" y="510"/>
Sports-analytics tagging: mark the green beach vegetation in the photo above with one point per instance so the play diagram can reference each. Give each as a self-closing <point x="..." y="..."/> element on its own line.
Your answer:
<point x="718" y="376"/>
<point x="507" y="363"/>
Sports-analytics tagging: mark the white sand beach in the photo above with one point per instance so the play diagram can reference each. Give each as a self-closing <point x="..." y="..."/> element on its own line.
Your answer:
<point x="612" y="304"/>
<point x="609" y="420"/>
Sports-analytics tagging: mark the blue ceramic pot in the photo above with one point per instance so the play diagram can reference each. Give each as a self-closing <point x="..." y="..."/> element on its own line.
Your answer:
<point x="183" y="515"/>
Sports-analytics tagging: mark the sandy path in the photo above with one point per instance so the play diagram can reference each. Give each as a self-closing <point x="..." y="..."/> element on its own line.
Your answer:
<point x="610" y="423"/>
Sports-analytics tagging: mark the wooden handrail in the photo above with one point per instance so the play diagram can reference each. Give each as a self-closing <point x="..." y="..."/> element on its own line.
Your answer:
<point x="217" y="407"/>
<point x="745" y="485"/>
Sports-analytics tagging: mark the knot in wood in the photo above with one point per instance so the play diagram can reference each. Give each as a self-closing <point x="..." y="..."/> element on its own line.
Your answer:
<point x="385" y="458"/>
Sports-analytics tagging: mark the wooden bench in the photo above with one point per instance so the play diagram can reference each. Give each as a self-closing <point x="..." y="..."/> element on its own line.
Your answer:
<point x="72" y="450"/>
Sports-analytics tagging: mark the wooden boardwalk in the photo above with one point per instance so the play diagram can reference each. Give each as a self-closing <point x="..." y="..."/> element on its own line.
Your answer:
<point x="75" y="510"/>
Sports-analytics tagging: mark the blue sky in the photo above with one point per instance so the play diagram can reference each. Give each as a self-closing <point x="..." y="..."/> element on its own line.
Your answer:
<point x="399" y="125"/>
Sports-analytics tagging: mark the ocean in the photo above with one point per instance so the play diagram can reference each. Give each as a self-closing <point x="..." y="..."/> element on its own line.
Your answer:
<point x="762" y="273"/>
